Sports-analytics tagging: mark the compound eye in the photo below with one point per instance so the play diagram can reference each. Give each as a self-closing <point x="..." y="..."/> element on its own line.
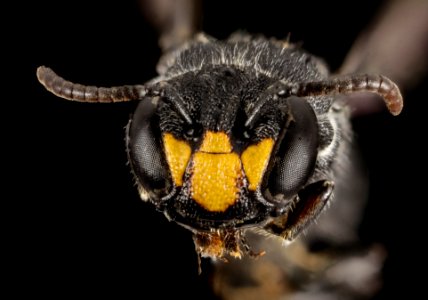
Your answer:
<point x="144" y="143"/>
<point x="297" y="152"/>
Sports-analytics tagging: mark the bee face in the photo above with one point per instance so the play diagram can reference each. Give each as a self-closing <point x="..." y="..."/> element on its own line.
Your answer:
<point x="236" y="134"/>
<point x="224" y="161"/>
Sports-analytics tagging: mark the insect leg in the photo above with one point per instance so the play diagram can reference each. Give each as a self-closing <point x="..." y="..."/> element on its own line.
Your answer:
<point x="311" y="202"/>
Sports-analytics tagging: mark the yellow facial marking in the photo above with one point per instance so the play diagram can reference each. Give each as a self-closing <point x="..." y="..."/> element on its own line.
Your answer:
<point x="216" y="142"/>
<point x="255" y="160"/>
<point x="216" y="179"/>
<point x="177" y="155"/>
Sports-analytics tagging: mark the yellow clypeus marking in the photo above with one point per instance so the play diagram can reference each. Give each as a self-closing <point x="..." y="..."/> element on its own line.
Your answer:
<point x="255" y="160"/>
<point x="177" y="155"/>
<point x="216" y="142"/>
<point x="216" y="179"/>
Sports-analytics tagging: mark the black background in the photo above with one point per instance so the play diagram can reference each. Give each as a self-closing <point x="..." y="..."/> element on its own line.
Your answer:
<point x="77" y="224"/>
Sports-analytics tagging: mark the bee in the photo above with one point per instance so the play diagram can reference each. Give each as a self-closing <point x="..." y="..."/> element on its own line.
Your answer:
<point x="234" y="135"/>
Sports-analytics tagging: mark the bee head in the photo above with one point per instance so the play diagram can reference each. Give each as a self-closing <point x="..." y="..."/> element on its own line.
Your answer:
<point x="219" y="148"/>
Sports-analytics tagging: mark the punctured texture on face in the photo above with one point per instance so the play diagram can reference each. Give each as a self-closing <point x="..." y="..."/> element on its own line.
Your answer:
<point x="216" y="173"/>
<point x="216" y="180"/>
<point x="177" y="155"/>
<point x="255" y="160"/>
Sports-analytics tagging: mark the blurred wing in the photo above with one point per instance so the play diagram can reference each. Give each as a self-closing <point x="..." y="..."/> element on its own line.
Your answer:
<point x="395" y="45"/>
